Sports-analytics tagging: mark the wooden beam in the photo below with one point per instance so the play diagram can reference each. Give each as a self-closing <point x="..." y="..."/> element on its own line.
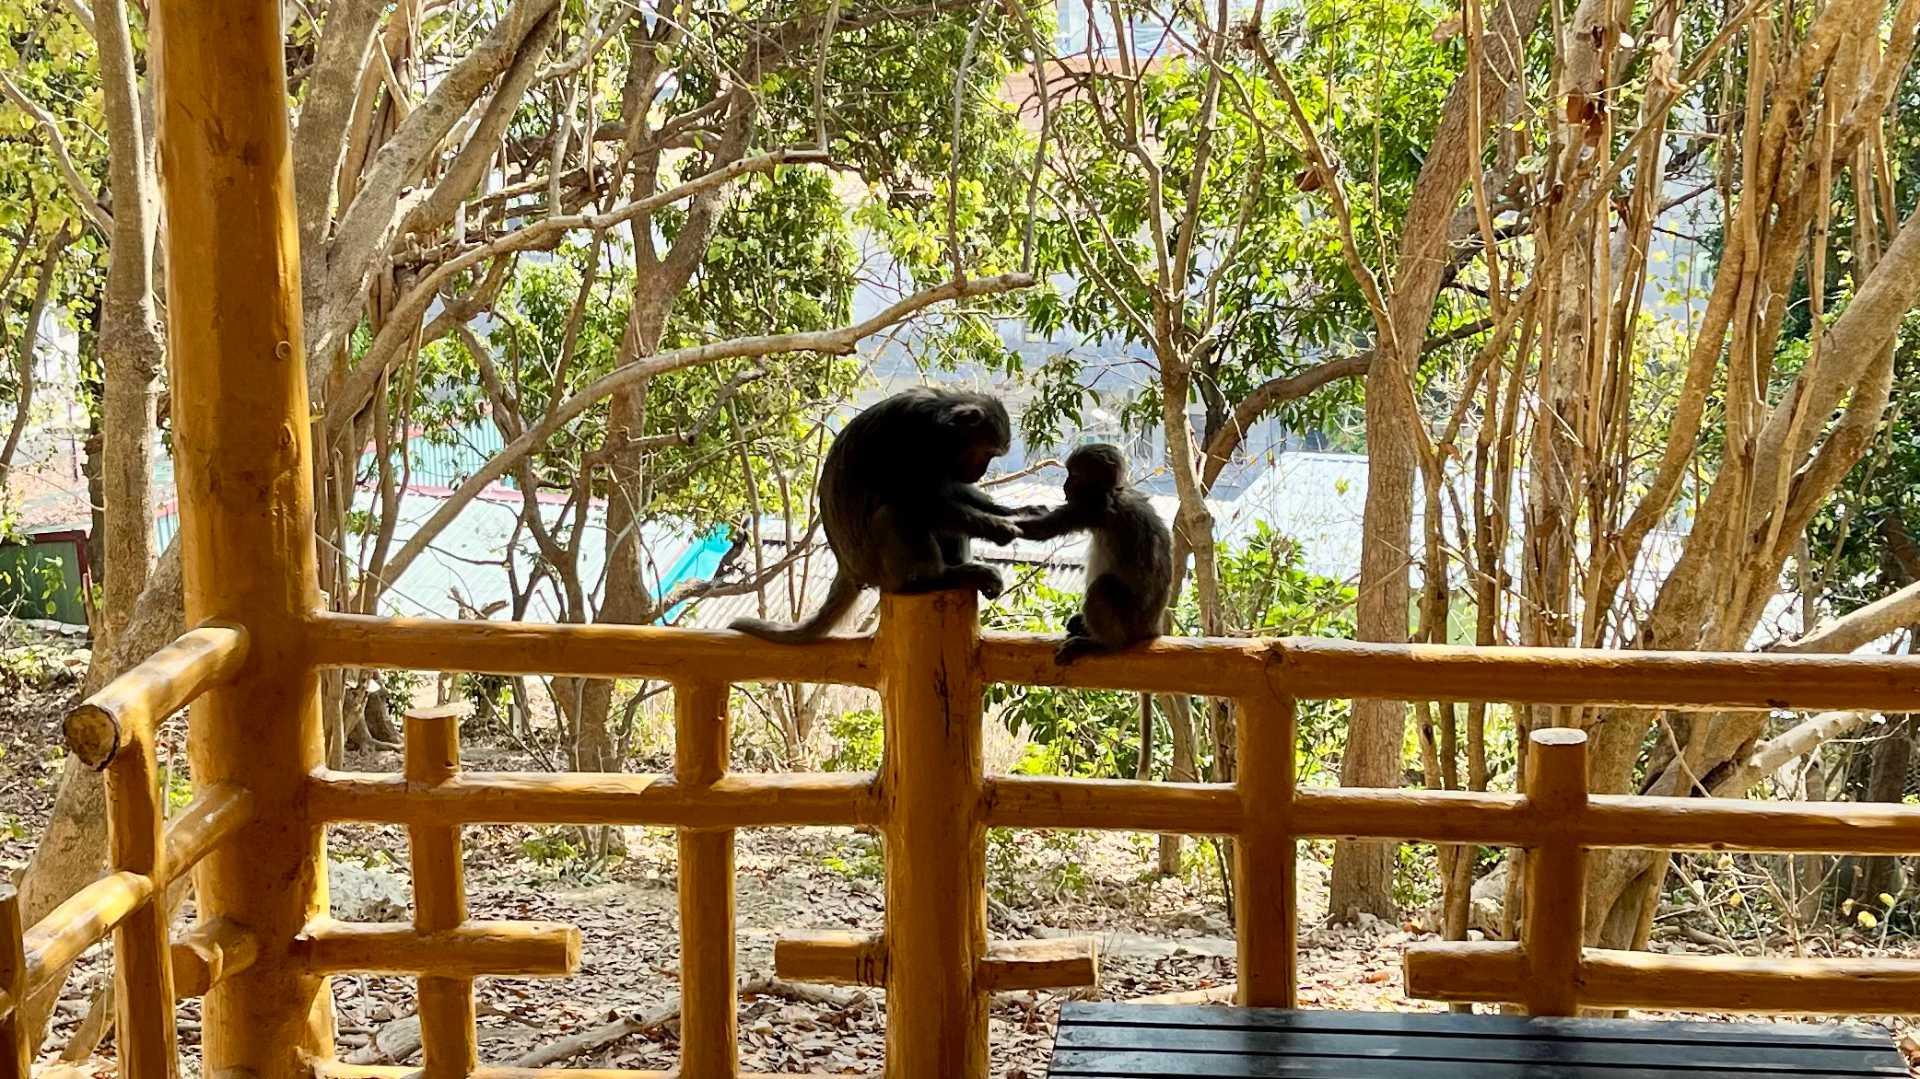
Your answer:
<point x="1122" y="805"/>
<point x="709" y="1016"/>
<point x="1554" y="922"/>
<point x="1265" y="920"/>
<point x="135" y="703"/>
<point x="1203" y="666"/>
<point x="1414" y="816"/>
<point x="1059" y="963"/>
<point x="1496" y="973"/>
<point x="511" y="949"/>
<point x="1462" y="972"/>
<point x="208" y="953"/>
<point x="936" y="889"/>
<point x="735" y="801"/>
<point x="334" y="1069"/>
<point x="1319" y="668"/>
<point x="16" y="1048"/>
<point x="447" y="1037"/>
<point x="1614" y="820"/>
<point x="596" y="651"/>
<point x="241" y="430"/>
<point x="144" y="1033"/>
<point x="832" y="957"/>
<point x="84" y="920"/>
<point x="214" y="816"/>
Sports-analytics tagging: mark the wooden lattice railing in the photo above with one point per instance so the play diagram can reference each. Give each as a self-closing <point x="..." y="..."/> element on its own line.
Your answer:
<point x="932" y="803"/>
<point x="115" y="730"/>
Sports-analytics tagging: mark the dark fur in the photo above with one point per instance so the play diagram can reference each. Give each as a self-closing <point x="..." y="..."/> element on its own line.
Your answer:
<point x="1129" y="558"/>
<point x="898" y="500"/>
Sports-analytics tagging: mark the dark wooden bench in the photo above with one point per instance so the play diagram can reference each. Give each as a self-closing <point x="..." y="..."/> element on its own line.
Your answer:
<point x="1154" y="1042"/>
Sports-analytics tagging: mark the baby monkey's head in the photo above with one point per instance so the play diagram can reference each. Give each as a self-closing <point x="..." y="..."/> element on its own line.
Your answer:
<point x="1094" y="471"/>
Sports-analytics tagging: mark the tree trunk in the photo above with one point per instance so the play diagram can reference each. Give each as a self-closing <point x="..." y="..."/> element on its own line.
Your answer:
<point x="1886" y="783"/>
<point x="1183" y="769"/>
<point x="1363" y="872"/>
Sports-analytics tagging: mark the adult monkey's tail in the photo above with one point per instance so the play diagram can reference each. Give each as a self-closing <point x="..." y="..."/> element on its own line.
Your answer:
<point x="839" y="601"/>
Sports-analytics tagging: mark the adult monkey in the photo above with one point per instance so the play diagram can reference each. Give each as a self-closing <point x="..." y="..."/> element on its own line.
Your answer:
<point x="898" y="500"/>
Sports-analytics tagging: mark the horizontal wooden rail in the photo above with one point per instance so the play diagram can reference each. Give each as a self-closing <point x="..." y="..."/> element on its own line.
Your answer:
<point x="160" y="685"/>
<point x="1496" y="973"/>
<point x="1121" y="805"/>
<point x="336" y="1069"/>
<point x="1310" y="668"/>
<point x="339" y="640"/>
<point x="1505" y="820"/>
<point x="1319" y="668"/>
<point x="520" y="949"/>
<point x="213" y="816"/>
<point x="733" y="801"/>
<point x="209" y="953"/>
<point x="831" y="957"/>
<point x="1012" y="966"/>
<point x="82" y="921"/>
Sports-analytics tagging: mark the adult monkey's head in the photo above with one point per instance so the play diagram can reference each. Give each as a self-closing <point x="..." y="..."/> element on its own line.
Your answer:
<point x="977" y="431"/>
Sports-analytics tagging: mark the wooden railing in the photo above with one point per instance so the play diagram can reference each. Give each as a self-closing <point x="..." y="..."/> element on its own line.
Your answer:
<point x="115" y="731"/>
<point x="932" y="803"/>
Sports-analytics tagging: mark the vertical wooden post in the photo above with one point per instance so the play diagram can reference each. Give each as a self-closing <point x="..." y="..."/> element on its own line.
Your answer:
<point x="1264" y="922"/>
<point x="709" y="1030"/>
<point x="931" y="779"/>
<point x="142" y="946"/>
<point x="16" y="1059"/>
<point x="240" y="439"/>
<point x="1553" y="929"/>
<point x="440" y="894"/>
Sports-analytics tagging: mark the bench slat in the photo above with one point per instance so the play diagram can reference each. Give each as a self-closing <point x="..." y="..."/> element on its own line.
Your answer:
<point x="1163" y="1042"/>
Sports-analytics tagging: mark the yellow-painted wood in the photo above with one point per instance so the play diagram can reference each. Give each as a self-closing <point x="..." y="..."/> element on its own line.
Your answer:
<point x="1553" y="925"/>
<point x="240" y="439"/>
<point x="709" y="1015"/>
<point x="16" y="1057"/>
<point x="832" y="957"/>
<point x="209" y="952"/>
<point x="588" y="651"/>
<point x="1056" y="963"/>
<point x="142" y="960"/>
<point x="135" y="703"/>
<point x="80" y="922"/>
<point x="1265" y="922"/>
<point x="214" y="815"/>
<point x="931" y="779"/>
<point x="734" y="801"/>
<point x="447" y="1038"/>
<point x="519" y="949"/>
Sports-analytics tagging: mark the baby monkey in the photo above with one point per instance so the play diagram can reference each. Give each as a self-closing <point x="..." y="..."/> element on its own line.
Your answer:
<point x="1129" y="558"/>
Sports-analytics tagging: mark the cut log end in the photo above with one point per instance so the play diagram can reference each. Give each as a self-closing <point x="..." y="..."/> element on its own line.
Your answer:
<point x="93" y="735"/>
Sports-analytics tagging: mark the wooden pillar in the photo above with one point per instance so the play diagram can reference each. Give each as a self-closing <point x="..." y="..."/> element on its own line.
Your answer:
<point x="440" y="895"/>
<point x="709" y="1023"/>
<point x="1554" y="922"/>
<point x="16" y="1057"/>
<point x="1264" y="921"/>
<point x="931" y="780"/>
<point x="142" y="946"/>
<point x="240" y="439"/>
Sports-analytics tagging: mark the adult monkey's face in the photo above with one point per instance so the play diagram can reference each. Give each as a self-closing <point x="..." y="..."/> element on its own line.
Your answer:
<point x="981" y="432"/>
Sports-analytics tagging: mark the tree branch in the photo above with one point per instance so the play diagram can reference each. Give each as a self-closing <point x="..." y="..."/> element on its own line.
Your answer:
<point x="367" y="227"/>
<point x="1861" y="627"/>
<point x="77" y="185"/>
<point x="834" y="342"/>
<point x="541" y="235"/>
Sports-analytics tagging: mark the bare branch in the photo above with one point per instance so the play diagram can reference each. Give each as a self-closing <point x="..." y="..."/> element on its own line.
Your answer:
<point x="1861" y="627"/>
<point x="836" y="342"/>
<point x="541" y="235"/>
